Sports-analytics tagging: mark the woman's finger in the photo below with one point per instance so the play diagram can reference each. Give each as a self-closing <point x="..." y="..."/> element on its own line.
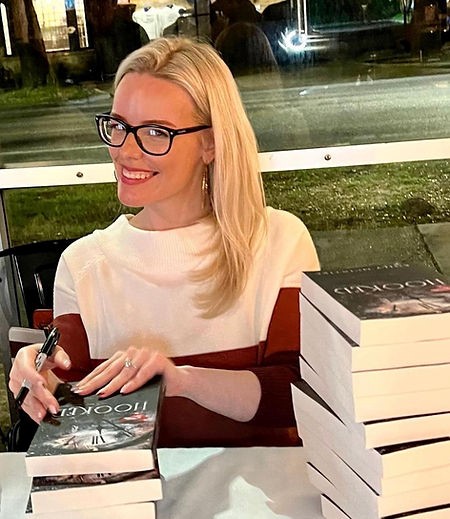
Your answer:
<point x="131" y="370"/>
<point x="101" y="378"/>
<point x="100" y="369"/>
<point x="34" y="408"/>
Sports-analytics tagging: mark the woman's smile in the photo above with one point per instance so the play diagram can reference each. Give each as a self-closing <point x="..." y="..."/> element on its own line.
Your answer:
<point x="136" y="175"/>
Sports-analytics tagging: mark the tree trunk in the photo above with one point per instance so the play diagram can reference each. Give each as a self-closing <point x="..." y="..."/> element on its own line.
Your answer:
<point x="29" y="44"/>
<point x="100" y="19"/>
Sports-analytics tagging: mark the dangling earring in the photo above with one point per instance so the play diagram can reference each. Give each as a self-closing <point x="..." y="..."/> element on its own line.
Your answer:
<point x="205" y="189"/>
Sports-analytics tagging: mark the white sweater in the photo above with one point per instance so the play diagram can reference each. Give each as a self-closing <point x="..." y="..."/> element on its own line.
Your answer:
<point x="123" y="286"/>
<point x="132" y="287"/>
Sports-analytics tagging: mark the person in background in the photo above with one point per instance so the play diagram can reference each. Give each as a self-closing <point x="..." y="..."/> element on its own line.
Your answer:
<point x="202" y="284"/>
<point x="224" y="13"/>
<point x="246" y="50"/>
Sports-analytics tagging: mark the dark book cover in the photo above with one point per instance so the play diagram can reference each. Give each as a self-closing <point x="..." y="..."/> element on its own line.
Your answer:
<point x="51" y="494"/>
<point x="385" y="291"/>
<point x="64" y="482"/>
<point x="89" y="424"/>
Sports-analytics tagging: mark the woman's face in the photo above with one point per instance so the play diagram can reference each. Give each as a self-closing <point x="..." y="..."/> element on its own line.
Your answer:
<point x="169" y="185"/>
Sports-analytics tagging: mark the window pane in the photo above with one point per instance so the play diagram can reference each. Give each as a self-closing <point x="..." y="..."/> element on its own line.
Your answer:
<point x="313" y="73"/>
<point x="357" y="216"/>
<point x="371" y="214"/>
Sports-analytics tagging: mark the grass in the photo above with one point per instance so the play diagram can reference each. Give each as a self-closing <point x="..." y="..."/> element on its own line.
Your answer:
<point x="59" y="212"/>
<point x="384" y="195"/>
<point x="45" y="95"/>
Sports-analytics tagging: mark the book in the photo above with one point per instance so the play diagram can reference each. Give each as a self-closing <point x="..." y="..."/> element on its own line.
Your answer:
<point x="367" y="435"/>
<point x="98" y="435"/>
<point x="331" y="510"/>
<point x="340" y="483"/>
<point x="404" y="480"/>
<point x="323" y="341"/>
<point x="135" y="510"/>
<point x="374" y="407"/>
<point x="383" y="304"/>
<point x="388" y="469"/>
<point x="411" y="379"/>
<point x="85" y="491"/>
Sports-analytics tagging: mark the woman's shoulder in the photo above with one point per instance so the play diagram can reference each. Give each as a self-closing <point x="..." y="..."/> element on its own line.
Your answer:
<point x="289" y="240"/>
<point x="90" y="242"/>
<point x="280" y="221"/>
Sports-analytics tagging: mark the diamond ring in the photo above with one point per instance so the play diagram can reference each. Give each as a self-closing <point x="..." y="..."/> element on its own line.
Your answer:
<point x="129" y="363"/>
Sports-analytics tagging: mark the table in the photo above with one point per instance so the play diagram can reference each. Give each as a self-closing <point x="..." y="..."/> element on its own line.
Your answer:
<point x="208" y="483"/>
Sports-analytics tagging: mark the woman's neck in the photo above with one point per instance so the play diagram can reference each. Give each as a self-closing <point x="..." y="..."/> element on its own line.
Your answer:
<point x="150" y="220"/>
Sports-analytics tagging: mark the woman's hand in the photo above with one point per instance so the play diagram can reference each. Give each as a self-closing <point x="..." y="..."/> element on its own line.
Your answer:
<point x="128" y="370"/>
<point x="235" y="394"/>
<point x="40" y="398"/>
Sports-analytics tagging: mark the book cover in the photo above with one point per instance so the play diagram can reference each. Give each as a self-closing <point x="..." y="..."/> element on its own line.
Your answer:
<point x="383" y="304"/>
<point x="134" y="510"/>
<point x="389" y="469"/>
<point x="84" y="491"/>
<point x="376" y="433"/>
<point x="322" y="341"/>
<point x="98" y="435"/>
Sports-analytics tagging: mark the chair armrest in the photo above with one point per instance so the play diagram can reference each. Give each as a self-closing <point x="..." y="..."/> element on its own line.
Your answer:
<point x="19" y="337"/>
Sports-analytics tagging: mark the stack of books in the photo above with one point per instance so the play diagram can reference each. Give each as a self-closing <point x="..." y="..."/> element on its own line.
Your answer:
<point x="373" y="405"/>
<point x="98" y="457"/>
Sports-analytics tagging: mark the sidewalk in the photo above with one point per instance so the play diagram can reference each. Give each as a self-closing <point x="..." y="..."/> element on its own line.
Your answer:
<point x="429" y="244"/>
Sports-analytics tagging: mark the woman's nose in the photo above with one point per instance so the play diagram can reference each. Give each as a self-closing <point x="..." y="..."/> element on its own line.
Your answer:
<point x="130" y="146"/>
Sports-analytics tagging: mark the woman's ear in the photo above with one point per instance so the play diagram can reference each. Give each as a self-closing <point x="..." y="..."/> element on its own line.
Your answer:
<point x="208" y="153"/>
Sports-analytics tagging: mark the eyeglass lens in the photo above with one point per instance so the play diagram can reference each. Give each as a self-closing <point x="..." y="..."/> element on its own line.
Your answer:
<point x="152" y="138"/>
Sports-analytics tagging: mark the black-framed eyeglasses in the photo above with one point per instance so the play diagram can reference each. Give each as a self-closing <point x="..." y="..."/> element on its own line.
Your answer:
<point x="151" y="138"/>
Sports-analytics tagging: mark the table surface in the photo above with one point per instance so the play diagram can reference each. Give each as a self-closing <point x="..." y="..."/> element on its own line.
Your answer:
<point x="220" y="483"/>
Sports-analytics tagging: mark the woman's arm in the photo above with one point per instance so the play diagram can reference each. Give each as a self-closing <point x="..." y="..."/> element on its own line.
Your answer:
<point x="279" y="366"/>
<point x="262" y="393"/>
<point x="232" y="393"/>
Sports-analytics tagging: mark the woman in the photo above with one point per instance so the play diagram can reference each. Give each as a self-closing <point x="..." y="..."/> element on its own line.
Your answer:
<point x="201" y="285"/>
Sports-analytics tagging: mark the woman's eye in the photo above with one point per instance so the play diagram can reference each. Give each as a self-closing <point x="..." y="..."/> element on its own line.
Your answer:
<point x="116" y="126"/>
<point x="155" y="132"/>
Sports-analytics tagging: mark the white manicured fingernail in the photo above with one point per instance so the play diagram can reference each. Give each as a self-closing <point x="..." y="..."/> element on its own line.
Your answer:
<point x="52" y="409"/>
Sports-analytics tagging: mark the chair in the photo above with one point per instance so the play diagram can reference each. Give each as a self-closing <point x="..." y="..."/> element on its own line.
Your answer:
<point x="32" y="269"/>
<point x="33" y="272"/>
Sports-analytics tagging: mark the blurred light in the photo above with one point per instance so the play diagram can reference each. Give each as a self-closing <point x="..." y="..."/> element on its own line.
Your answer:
<point x="5" y="29"/>
<point x="293" y="41"/>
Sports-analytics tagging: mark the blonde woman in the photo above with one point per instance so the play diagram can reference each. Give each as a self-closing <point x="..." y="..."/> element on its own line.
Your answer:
<point x="202" y="284"/>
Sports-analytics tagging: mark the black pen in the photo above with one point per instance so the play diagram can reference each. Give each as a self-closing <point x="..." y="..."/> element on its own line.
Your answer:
<point x="46" y="351"/>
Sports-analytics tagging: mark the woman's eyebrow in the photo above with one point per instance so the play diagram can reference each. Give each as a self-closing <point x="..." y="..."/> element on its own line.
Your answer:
<point x="162" y="122"/>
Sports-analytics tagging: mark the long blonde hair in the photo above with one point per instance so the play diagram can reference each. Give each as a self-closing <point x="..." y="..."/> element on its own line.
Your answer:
<point x="236" y="191"/>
